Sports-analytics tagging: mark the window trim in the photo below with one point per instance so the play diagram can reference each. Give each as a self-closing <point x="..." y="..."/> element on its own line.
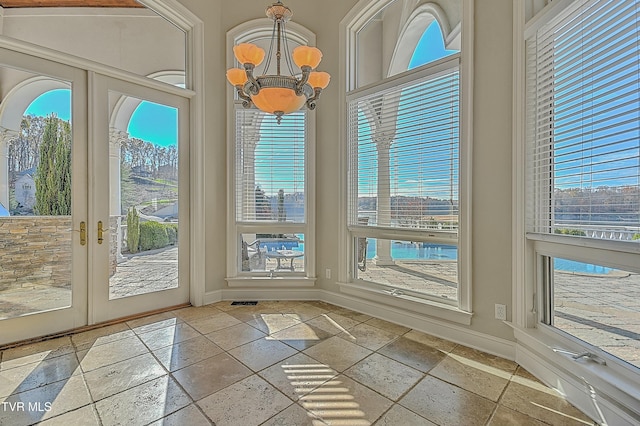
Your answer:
<point x="355" y="20"/>
<point x="242" y="33"/>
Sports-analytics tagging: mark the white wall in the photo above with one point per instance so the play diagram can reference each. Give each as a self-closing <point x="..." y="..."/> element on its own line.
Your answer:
<point x="136" y="40"/>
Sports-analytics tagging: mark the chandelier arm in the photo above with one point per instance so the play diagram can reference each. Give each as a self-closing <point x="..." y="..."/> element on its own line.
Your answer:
<point x="311" y="102"/>
<point x="306" y="70"/>
<point x="251" y="87"/>
<point x="246" y="100"/>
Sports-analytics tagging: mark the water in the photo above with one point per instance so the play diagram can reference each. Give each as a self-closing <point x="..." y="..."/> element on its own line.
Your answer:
<point x="579" y="267"/>
<point x="404" y="250"/>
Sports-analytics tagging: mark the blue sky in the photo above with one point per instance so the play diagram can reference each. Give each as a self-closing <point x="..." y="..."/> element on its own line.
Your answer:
<point x="150" y="122"/>
<point x="430" y="47"/>
<point x="58" y="101"/>
<point x="155" y="123"/>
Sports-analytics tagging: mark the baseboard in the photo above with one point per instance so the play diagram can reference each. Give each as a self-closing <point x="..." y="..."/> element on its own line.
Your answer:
<point x="449" y="331"/>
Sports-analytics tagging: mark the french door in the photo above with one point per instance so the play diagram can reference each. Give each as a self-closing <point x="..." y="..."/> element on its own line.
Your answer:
<point x="44" y="235"/>
<point x="139" y="199"/>
<point x="93" y="211"/>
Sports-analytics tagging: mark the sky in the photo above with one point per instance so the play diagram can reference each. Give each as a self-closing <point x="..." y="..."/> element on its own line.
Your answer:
<point x="150" y="122"/>
<point x="58" y="101"/>
<point x="430" y="47"/>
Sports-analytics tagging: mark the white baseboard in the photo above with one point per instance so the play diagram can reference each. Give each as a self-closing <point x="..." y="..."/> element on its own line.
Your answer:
<point x="449" y="331"/>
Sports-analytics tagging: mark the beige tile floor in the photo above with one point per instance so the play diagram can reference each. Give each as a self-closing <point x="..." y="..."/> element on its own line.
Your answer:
<point x="277" y="363"/>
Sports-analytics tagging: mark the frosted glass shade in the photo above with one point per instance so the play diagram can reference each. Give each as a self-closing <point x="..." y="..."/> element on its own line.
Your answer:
<point x="305" y="55"/>
<point x="236" y="76"/>
<point x="274" y="99"/>
<point x="319" y="79"/>
<point x="248" y="53"/>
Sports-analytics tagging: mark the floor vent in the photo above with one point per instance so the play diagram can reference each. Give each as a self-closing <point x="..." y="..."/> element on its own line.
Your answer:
<point x="236" y="303"/>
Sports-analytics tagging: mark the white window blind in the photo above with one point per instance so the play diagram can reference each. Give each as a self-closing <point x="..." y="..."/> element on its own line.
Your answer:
<point x="583" y="77"/>
<point x="404" y="152"/>
<point x="270" y="167"/>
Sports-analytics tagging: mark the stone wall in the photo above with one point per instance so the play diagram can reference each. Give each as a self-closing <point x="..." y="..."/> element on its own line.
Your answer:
<point x="35" y="250"/>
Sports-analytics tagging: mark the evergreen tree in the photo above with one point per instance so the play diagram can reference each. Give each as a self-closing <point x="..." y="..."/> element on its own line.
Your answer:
<point x="133" y="229"/>
<point x="53" y="173"/>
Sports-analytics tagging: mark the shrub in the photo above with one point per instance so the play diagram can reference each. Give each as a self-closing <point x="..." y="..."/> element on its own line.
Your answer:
<point x="172" y="233"/>
<point x="153" y="235"/>
<point x="636" y="237"/>
<point x="566" y="231"/>
<point x="133" y="230"/>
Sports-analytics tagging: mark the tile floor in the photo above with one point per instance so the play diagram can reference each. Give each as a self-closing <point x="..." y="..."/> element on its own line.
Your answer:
<point x="277" y="363"/>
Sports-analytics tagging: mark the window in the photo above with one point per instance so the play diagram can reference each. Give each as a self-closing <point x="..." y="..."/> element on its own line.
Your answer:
<point x="583" y="169"/>
<point x="270" y="192"/>
<point x="408" y="150"/>
<point x="403" y="172"/>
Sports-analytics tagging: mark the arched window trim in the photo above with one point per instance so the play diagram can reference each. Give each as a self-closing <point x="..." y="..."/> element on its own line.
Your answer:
<point x="354" y="21"/>
<point x="418" y="22"/>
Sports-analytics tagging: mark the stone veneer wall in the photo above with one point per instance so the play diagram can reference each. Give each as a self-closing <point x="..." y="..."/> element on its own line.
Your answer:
<point x="35" y="250"/>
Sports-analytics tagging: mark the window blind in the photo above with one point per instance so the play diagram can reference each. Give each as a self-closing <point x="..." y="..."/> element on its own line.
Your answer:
<point x="404" y="153"/>
<point x="270" y="167"/>
<point x="583" y="77"/>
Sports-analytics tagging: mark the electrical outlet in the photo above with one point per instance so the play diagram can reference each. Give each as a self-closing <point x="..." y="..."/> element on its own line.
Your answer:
<point x="327" y="273"/>
<point x="501" y="312"/>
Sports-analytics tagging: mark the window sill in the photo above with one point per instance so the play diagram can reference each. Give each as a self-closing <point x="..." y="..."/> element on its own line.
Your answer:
<point x="609" y="384"/>
<point x="276" y="281"/>
<point x="414" y="304"/>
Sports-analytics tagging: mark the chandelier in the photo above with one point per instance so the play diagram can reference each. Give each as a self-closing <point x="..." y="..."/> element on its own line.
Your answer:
<point x="278" y="94"/>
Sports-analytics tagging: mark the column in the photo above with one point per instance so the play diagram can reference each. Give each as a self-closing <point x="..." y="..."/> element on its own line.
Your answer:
<point x="6" y="136"/>
<point x="116" y="138"/>
<point x="250" y="140"/>
<point x="383" y="141"/>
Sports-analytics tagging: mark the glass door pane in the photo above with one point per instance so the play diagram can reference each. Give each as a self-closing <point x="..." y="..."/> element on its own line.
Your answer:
<point x="144" y="190"/>
<point x="42" y="198"/>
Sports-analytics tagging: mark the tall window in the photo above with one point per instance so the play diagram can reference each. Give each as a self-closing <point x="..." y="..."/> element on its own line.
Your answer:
<point x="270" y="192"/>
<point x="404" y="155"/>
<point x="583" y="161"/>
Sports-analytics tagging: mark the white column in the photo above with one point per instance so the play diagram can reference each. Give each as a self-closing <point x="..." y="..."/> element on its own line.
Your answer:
<point x="116" y="138"/>
<point x="383" y="142"/>
<point x="6" y="135"/>
<point x="250" y="141"/>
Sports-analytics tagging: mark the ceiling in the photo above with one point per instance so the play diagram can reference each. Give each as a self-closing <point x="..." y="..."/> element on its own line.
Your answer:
<point x="7" y="4"/>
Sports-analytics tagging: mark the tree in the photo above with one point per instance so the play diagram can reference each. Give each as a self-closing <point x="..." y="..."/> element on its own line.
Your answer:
<point x="53" y="173"/>
<point x="133" y="229"/>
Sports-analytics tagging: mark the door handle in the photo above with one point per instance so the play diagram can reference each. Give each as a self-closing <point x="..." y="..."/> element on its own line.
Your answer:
<point x="100" y="232"/>
<point x="83" y="233"/>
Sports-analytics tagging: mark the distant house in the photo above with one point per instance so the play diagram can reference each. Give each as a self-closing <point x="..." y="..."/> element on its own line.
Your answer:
<point x="140" y="171"/>
<point x="25" y="189"/>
